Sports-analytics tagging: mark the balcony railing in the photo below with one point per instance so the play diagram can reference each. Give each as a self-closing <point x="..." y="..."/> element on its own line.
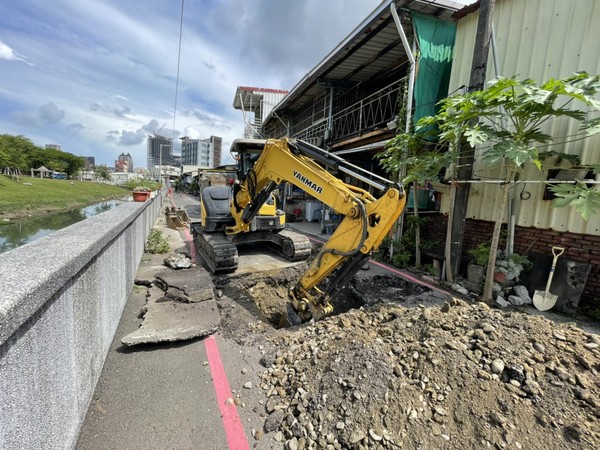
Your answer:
<point x="371" y="112"/>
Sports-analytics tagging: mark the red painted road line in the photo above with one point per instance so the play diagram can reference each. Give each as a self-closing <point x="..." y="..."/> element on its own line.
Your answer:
<point x="409" y="277"/>
<point x="190" y="242"/>
<point x="234" y="430"/>
<point x="231" y="420"/>
<point x="188" y="238"/>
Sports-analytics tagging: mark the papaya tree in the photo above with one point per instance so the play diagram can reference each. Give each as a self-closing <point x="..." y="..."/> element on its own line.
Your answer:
<point x="506" y="123"/>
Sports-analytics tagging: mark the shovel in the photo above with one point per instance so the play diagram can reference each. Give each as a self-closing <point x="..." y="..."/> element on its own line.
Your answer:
<point x="544" y="300"/>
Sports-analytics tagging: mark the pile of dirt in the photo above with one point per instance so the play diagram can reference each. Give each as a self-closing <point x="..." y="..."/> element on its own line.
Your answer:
<point x="450" y="375"/>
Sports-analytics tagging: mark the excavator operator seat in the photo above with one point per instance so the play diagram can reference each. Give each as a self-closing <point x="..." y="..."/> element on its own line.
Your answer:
<point x="214" y="208"/>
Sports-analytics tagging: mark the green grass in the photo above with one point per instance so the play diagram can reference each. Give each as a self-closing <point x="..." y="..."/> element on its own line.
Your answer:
<point x="33" y="196"/>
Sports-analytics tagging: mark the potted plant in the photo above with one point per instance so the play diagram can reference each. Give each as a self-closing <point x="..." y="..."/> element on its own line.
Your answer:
<point x="141" y="194"/>
<point x="476" y="270"/>
<point x="508" y="266"/>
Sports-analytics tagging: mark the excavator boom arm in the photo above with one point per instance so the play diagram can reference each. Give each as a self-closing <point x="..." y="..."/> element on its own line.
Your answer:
<point x="367" y="220"/>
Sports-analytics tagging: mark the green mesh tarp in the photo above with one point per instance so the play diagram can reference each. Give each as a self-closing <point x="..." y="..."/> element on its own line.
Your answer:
<point x="436" y="41"/>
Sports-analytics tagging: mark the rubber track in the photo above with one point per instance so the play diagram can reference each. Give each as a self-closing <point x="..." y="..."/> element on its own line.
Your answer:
<point x="220" y="254"/>
<point x="298" y="242"/>
<point x="217" y="251"/>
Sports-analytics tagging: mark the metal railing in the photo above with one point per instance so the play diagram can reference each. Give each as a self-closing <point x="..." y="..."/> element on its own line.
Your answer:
<point x="372" y="111"/>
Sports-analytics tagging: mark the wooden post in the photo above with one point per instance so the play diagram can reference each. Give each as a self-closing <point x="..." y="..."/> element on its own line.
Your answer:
<point x="467" y="157"/>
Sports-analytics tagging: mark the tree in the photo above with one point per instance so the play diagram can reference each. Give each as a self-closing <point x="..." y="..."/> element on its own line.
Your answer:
<point x="505" y="122"/>
<point x="423" y="162"/>
<point x="18" y="152"/>
<point x="74" y="164"/>
<point x="14" y="151"/>
<point x="102" y="173"/>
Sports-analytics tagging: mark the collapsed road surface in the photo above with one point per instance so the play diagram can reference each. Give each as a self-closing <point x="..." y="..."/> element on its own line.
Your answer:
<point x="399" y="366"/>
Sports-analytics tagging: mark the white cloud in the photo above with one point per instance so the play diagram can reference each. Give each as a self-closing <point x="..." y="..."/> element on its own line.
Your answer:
<point x="47" y="115"/>
<point x="105" y="71"/>
<point x="192" y="133"/>
<point x="50" y="113"/>
<point x="8" y="53"/>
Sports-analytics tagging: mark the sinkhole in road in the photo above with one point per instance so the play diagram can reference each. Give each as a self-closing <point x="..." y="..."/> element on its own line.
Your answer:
<point x="266" y="294"/>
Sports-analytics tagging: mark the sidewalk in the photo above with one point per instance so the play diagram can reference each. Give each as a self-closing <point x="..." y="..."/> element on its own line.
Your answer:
<point x="312" y="228"/>
<point x="164" y="396"/>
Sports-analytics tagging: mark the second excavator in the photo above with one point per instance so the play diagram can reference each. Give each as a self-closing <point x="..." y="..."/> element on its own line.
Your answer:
<point x="230" y="213"/>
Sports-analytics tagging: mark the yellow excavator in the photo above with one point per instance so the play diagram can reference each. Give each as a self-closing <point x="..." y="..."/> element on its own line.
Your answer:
<point x="213" y="238"/>
<point x="367" y="219"/>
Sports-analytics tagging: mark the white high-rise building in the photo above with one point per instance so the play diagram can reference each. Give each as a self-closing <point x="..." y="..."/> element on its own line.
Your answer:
<point x="201" y="152"/>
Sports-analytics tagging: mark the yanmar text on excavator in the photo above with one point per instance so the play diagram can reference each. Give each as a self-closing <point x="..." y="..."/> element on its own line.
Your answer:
<point x="246" y="211"/>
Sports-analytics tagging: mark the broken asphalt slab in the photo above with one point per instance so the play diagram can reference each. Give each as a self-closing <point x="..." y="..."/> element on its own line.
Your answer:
<point x="194" y="284"/>
<point x="180" y="307"/>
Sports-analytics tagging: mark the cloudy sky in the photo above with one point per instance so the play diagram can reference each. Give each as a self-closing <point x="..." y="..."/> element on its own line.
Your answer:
<point x="97" y="76"/>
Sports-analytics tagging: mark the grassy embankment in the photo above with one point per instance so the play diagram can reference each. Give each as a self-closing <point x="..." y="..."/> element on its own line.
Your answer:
<point x="34" y="196"/>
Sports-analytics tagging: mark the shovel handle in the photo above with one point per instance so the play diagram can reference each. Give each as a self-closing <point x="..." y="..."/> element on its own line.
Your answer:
<point x="556" y="251"/>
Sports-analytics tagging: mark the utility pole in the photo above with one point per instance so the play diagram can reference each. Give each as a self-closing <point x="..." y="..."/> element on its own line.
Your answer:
<point x="467" y="156"/>
<point x="160" y="164"/>
<point x="160" y="169"/>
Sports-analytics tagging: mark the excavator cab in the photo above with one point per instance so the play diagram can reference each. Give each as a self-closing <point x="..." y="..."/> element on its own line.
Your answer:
<point x="215" y="201"/>
<point x="270" y="217"/>
<point x="215" y="236"/>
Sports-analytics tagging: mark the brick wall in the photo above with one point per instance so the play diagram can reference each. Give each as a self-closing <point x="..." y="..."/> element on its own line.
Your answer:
<point x="578" y="247"/>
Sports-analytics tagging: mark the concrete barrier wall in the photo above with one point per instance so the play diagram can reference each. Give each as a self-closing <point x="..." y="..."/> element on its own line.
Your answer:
<point x="61" y="299"/>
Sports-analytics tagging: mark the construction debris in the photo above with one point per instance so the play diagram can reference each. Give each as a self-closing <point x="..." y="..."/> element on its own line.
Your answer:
<point x="179" y="306"/>
<point x="452" y="374"/>
<point x="176" y="218"/>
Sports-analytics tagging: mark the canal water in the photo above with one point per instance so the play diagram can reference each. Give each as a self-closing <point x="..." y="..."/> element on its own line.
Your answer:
<point x="17" y="233"/>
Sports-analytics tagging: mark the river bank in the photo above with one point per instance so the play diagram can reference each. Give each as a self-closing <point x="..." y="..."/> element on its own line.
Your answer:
<point x="27" y="196"/>
<point x="17" y="232"/>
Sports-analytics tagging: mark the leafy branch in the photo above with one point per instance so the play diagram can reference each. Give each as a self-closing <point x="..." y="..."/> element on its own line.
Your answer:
<point x="506" y="123"/>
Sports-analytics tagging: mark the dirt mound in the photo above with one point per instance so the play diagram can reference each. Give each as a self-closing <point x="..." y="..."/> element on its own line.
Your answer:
<point x="456" y="376"/>
<point x="416" y="369"/>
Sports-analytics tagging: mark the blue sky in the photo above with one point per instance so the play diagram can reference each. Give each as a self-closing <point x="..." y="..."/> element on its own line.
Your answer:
<point x="97" y="76"/>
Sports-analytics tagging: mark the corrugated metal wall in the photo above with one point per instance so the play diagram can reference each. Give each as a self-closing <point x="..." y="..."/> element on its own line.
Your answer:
<point x="539" y="39"/>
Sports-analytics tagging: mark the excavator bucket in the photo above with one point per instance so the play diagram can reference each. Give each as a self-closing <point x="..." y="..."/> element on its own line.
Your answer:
<point x="182" y="215"/>
<point x="176" y="218"/>
<point x="174" y="222"/>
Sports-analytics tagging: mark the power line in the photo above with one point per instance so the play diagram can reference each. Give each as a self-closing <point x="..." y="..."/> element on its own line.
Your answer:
<point x="177" y="78"/>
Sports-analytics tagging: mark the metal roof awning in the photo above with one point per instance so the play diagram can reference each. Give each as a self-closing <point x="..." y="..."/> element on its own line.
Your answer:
<point x="247" y="143"/>
<point x="250" y="97"/>
<point x="373" y="49"/>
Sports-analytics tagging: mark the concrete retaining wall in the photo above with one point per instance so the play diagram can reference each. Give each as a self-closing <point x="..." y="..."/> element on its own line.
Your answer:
<point x="61" y="299"/>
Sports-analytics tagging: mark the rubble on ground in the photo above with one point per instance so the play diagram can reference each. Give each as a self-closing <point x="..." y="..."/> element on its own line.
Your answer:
<point x="446" y="374"/>
<point x="178" y="261"/>
<point x="180" y="305"/>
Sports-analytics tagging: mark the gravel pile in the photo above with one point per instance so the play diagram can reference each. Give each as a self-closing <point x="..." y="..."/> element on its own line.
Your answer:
<point x="450" y="376"/>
